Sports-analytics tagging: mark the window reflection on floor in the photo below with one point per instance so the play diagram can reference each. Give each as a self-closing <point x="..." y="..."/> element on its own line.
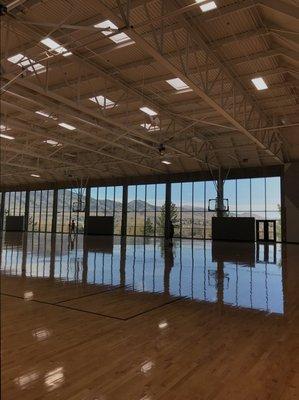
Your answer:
<point x="241" y="275"/>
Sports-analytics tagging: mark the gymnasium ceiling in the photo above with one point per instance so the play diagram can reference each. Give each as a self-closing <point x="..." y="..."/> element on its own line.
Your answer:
<point x="217" y="118"/>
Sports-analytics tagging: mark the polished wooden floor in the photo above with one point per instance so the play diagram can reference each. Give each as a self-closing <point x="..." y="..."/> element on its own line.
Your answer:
<point x="138" y="320"/>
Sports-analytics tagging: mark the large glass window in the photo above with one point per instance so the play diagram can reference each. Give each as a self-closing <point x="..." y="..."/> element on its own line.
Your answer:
<point x="107" y="201"/>
<point x="257" y="197"/>
<point x="146" y="210"/>
<point x="67" y="210"/>
<point x="190" y="215"/>
<point x="40" y="211"/>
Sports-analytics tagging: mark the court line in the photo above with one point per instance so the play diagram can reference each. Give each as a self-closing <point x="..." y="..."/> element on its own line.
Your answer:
<point x="154" y="308"/>
<point x="90" y="294"/>
<point x="62" y="306"/>
<point x="99" y="314"/>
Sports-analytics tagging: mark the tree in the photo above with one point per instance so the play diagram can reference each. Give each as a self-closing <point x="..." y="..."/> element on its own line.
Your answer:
<point x="174" y="216"/>
<point x="148" y="227"/>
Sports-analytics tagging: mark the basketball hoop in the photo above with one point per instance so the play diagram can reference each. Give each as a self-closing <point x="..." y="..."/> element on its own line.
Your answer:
<point x="214" y="206"/>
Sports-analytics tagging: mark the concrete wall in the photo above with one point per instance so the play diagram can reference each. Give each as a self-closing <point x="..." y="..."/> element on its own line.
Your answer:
<point x="291" y="202"/>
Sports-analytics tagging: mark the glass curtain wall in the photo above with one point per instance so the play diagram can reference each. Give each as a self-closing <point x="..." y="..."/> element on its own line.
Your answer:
<point x="257" y="197"/>
<point x="107" y="201"/>
<point x="67" y="201"/>
<point x="189" y="209"/>
<point x="146" y="210"/>
<point x="14" y="203"/>
<point x="40" y="211"/>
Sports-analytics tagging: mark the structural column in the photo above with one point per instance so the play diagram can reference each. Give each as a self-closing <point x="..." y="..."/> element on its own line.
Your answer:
<point x="2" y="211"/>
<point x="54" y="215"/>
<point x="220" y="187"/>
<point x="87" y="206"/>
<point x="27" y="205"/>
<point x="167" y="209"/>
<point x="124" y="211"/>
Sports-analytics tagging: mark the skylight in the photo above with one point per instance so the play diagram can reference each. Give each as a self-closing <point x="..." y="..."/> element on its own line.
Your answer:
<point x="23" y="61"/>
<point x="148" y="111"/>
<point x="259" y="83"/>
<point x="177" y="84"/>
<point x="67" y="126"/>
<point x="166" y="162"/>
<point x="118" y="38"/>
<point x="102" y="101"/>
<point x="35" y="175"/>
<point x="56" y="47"/>
<point x="3" y="136"/>
<point x="45" y="114"/>
<point x="207" y="6"/>
<point x="150" y="127"/>
<point x="52" y="142"/>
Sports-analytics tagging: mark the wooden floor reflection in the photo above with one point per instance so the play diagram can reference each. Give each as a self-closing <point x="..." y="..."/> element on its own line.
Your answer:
<point x="87" y="319"/>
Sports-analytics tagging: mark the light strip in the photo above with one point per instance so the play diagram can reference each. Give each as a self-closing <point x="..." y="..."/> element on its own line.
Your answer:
<point x="67" y="126"/>
<point x="148" y="111"/>
<point x="3" y="136"/>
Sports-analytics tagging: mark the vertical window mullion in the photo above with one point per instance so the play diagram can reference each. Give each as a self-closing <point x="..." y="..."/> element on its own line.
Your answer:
<point x="192" y="228"/>
<point x="9" y="197"/>
<point x="250" y="186"/>
<point x="155" y="215"/>
<point x="33" y="214"/>
<point x="205" y="206"/>
<point x="62" y="214"/>
<point x="135" y="209"/>
<point x="181" y="205"/>
<point x="145" y="209"/>
<point x="97" y="204"/>
<point x="265" y="187"/>
<point x="40" y="209"/>
<point x="14" y="203"/>
<point x="105" y="210"/>
<point x="20" y="203"/>
<point x="47" y="210"/>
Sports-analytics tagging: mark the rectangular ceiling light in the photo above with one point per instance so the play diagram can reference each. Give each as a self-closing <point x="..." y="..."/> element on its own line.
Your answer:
<point x="118" y="38"/>
<point x="177" y="84"/>
<point x="259" y="83"/>
<point x="150" y="127"/>
<point x="102" y="101"/>
<point x="23" y="61"/>
<point x="207" y="6"/>
<point x="67" y="126"/>
<point x="3" y="136"/>
<point x="52" y="142"/>
<point x="45" y="114"/>
<point x="4" y="128"/>
<point x="56" y="47"/>
<point x="148" y="111"/>
<point x="35" y="175"/>
<point x="166" y="162"/>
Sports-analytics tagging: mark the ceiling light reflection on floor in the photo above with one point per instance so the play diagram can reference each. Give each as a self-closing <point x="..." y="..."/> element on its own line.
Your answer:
<point x="146" y="367"/>
<point x="41" y="334"/>
<point x="28" y="296"/>
<point x="54" y="378"/>
<point x="25" y="380"/>
<point x="163" y="324"/>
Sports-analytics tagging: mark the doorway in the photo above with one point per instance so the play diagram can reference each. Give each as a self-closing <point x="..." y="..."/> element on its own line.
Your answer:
<point x="266" y="230"/>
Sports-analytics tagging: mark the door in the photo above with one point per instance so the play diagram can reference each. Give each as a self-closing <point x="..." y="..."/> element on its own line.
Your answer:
<point x="266" y="230"/>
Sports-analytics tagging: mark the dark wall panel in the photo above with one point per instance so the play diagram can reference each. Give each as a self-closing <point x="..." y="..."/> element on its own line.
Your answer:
<point x="236" y="229"/>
